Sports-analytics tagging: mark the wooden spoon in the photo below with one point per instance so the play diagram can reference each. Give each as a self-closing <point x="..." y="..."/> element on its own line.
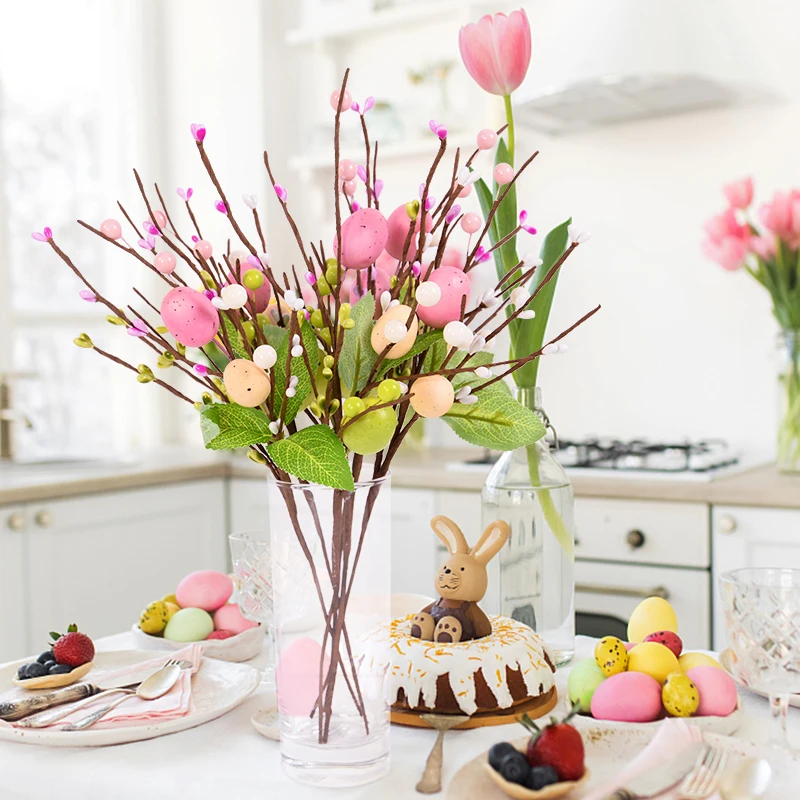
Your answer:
<point x="431" y="781"/>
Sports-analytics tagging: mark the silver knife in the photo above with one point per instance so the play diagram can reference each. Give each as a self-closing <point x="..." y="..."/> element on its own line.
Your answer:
<point x="663" y="777"/>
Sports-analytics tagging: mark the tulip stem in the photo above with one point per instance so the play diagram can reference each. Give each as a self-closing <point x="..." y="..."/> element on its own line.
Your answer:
<point x="510" y="120"/>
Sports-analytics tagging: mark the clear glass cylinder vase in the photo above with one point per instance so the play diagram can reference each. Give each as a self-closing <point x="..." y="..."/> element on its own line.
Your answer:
<point x="534" y="579"/>
<point x="789" y="402"/>
<point x="331" y="552"/>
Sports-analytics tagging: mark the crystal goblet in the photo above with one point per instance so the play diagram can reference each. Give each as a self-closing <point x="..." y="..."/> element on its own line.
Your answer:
<point x="762" y="618"/>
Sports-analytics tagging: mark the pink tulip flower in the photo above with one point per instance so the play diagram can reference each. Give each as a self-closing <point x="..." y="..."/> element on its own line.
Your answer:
<point x="739" y="193"/>
<point x="726" y="225"/>
<point x="730" y="253"/>
<point x="764" y="246"/>
<point x="496" y="51"/>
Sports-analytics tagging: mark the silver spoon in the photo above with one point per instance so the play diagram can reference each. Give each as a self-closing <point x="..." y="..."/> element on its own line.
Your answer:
<point x="748" y="780"/>
<point x="157" y="685"/>
<point x="431" y="781"/>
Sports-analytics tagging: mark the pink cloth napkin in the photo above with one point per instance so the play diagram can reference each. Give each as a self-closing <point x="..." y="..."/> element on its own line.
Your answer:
<point x="673" y="736"/>
<point x="134" y="711"/>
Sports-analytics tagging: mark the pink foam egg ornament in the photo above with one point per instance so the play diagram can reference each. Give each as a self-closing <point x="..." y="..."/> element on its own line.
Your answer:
<point x="455" y="285"/>
<point x="207" y="589"/>
<point x="229" y="618"/>
<point x="717" y="690"/>
<point x="453" y="257"/>
<point x="189" y="316"/>
<point x="347" y="100"/>
<point x="627" y="697"/>
<point x="347" y="170"/>
<point x="399" y="225"/>
<point x="160" y="219"/>
<point x="297" y="677"/>
<point x="387" y="263"/>
<point x="487" y="139"/>
<point x="203" y="248"/>
<point x="471" y="222"/>
<point x="165" y="263"/>
<point x="349" y="188"/>
<point x="111" y="228"/>
<point x="364" y="236"/>
<point x="503" y="173"/>
<point x="260" y="296"/>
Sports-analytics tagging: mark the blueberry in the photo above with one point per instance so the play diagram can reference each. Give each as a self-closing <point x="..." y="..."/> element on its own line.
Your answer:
<point x="497" y="752"/>
<point x="540" y="777"/>
<point x="60" y="669"/>
<point x="35" y="670"/>
<point x="22" y="672"/>
<point x="48" y="664"/>
<point x="514" y="767"/>
<point x="46" y="656"/>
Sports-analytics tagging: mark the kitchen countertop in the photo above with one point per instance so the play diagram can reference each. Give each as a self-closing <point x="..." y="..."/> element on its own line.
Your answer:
<point x="760" y="486"/>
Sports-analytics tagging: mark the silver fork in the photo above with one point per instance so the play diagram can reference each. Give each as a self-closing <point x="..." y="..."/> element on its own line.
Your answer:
<point x="47" y="717"/>
<point x="703" y="779"/>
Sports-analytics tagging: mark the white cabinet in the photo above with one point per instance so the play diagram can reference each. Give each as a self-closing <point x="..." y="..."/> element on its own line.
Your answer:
<point x="751" y="537"/>
<point x="413" y="541"/>
<point x="248" y="506"/>
<point x="97" y="560"/>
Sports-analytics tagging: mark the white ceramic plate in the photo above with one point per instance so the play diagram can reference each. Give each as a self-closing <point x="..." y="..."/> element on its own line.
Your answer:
<point x="726" y="659"/>
<point x="242" y="647"/>
<point x="217" y="687"/>
<point x="607" y="750"/>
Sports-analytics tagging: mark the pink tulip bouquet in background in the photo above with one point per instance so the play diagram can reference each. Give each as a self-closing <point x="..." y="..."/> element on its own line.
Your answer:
<point x="767" y="246"/>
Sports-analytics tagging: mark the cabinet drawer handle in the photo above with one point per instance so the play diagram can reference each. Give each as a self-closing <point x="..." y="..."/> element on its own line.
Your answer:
<point x="622" y="591"/>
<point x="727" y="523"/>
<point x="635" y="539"/>
<point x="15" y="521"/>
<point x="43" y="518"/>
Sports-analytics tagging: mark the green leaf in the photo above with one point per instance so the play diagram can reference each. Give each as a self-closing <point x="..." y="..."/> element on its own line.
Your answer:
<point x="274" y="335"/>
<point x="496" y="421"/>
<point x="422" y="343"/>
<point x="357" y="357"/>
<point x="506" y="216"/>
<point x="485" y="199"/>
<point x="237" y="343"/>
<point x="237" y="426"/>
<point x="527" y="335"/>
<point x="435" y="356"/>
<point x="481" y="359"/>
<point x="297" y="367"/>
<point x="314" y="454"/>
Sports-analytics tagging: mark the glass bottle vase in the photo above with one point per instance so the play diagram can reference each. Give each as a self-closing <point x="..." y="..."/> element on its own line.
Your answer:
<point x="789" y="402"/>
<point x="534" y="580"/>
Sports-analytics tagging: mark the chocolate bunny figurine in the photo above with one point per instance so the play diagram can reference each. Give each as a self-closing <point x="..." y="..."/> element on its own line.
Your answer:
<point x="461" y="583"/>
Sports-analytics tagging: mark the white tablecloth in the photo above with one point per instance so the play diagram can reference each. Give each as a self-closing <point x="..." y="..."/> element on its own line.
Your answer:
<point x="227" y="760"/>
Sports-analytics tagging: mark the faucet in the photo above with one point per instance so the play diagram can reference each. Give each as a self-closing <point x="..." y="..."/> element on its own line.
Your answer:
<point x="8" y="416"/>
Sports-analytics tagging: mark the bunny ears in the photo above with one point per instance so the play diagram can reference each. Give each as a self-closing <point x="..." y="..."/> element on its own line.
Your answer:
<point x="490" y="543"/>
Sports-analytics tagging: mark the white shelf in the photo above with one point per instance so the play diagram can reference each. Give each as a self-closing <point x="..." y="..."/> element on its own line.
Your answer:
<point x="347" y="27"/>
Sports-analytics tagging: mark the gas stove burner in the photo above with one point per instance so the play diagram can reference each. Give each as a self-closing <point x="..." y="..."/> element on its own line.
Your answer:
<point x="639" y="455"/>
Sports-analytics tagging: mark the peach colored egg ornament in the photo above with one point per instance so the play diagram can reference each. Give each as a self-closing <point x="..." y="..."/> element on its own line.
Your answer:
<point x="245" y="383"/>
<point x="399" y="225"/>
<point x="207" y="589"/>
<point x="297" y="676"/>
<point x="229" y="618"/>
<point x="432" y="396"/>
<point x="717" y="690"/>
<point x="455" y="286"/>
<point x="381" y="337"/>
<point x="627" y="697"/>
<point x="364" y="236"/>
<point x="189" y="316"/>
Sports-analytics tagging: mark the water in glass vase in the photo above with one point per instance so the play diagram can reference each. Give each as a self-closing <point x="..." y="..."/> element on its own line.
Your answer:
<point x="534" y="575"/>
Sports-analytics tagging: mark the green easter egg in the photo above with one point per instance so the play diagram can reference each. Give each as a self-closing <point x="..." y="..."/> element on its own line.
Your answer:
<point x="189" y="625"/>
<point x="584" y="678"/>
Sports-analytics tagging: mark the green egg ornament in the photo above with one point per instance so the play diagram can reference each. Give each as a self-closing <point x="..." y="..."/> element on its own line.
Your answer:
<point x="611" y="656"/>
<point x="584" y="678"/>
<point x="372" y="432"/>
<point x="189" y="625"/>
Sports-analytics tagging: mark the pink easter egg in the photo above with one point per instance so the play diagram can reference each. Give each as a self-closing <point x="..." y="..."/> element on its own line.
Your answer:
<point x="364" y="236"/>
<point x="503" y="173"/>
<point x="347" y="170"/>
<point x="363" y="283"/>
<point x="453" y="257"/>
<point x="262" y="295"/>
<point x="387" y="263"/>
<point x="111" y="228"/>
<point x="297" y="676"/>
<point x="455" y="285"/>
<point x="399" y="224"/>
<point x="471" y="222"/>
<point x="627" y="697"/>
<point x="487" y="139"/>
<point x="629" y="646"/>
<point x="160" y="219"/>
<point x="165" y="262"/>
<point x="203" y="248"/>
<point x="717" y="690"/>
<point x="189" y="316"/>
<point x="229" y="618"/>
<point x="206" y="589"/>
<point x="220" y="635"/>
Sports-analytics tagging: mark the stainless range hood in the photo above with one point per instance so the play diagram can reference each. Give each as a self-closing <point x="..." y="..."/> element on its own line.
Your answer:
<point x="597" y="62"/>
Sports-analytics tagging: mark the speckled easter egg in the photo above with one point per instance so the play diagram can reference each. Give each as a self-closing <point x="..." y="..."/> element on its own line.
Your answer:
<point x="399" y="224"/>
<point x="189" y="625"/>
<point x="387" y="263"/>
<point x="584" y="678"/>
<point x="364" y="236"/>
<point x="651" y="615"/>
<point x="691" y="660"/>
<point x="154" y="618"/>
<point x="679" y="695"/>
<point x="654" y="660"/>
<point x="229" y="618"/>
<point x="717" y="690"/>
<point x="206" y="589"/>
<point x="611" y="656"/>
<point x="432" y="396"/>
<point x="378" y="337"/>
<point x="260" y="296"/>
<point x="627" y="697"/>
<point x="297" y="676"/>
<point x="455" y="286"/>
<point x="668" y="639"/>
<point x="189" y="316"/>
<point x="246" y="383"/>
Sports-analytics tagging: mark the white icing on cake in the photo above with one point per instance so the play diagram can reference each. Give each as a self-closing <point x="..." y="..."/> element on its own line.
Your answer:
<point x="416" y="665"/>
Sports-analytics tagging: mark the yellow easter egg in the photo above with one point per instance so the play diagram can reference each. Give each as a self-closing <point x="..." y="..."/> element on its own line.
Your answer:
<point x="154" y="618"/>
<point x="679" y="695"/>
<point x="432" y="396"/>
<point x="245" y="383"/>
<point x="172" y="610"/>
<point x="653" y="659"/>
<point x="650" y="616"/>
<point x="691" y="660"/>
<point x="395" y="314"/>
<point x="171" y="598"/>
<point x="611" y="656"/>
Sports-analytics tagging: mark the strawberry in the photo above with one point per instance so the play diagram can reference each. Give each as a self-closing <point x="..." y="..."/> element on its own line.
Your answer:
<point x="72" y="648"/>
<point x="558" y="746"/>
